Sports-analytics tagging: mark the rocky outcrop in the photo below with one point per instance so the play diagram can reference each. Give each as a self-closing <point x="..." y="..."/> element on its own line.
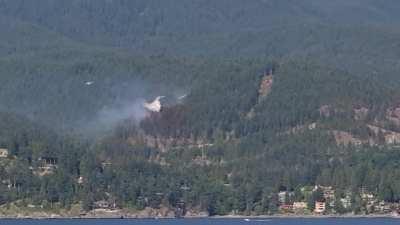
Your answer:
<point x="361" y="113"/>
<point x="393" y="115"/>
<point x="346" y="138"/>
<point x="302" y="128"/>
<point x="330" y="110"/>
<point x="166" y="143"/>
<point x="379" y="136"/>
<point x="162" y="212"/>
<point x="390" y="137"/>
<point x="325" y="111"/>
<point x="264" y="90"/>
<point x="13" y="211"/>
<point x="265" y="86"/>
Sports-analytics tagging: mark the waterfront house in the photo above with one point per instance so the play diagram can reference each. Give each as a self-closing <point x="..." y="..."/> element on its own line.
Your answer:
<point x="285" y="196"/>
<point x="320" y="207"/>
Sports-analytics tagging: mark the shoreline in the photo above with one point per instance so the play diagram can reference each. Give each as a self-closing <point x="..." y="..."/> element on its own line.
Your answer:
<point x="282" y="216"/>
<point x="238" y="217"/>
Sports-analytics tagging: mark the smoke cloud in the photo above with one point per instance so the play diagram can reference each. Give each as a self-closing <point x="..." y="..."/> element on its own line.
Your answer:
<point x="130" y="110"/>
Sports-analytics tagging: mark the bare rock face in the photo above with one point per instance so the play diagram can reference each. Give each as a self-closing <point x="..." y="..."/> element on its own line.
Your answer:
<point x="265" y="86"/>
<point x="162" y="212"/>
<point x="264" y="90"/>
<point x="302" y="128"/>
<point x="390" y="137"/>
<point x="325" y="111"/>
<point x="345" y="138"/>
<point x="393" y="115"/>
<point x="166" y="143"/>
<point x="196" y="213"/>
<point x="361" y="113"/>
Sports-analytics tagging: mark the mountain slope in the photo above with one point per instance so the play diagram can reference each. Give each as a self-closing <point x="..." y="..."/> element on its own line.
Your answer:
<point x="261" y="96"/>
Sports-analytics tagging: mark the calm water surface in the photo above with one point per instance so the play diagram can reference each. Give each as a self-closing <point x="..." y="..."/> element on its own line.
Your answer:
<point x="208" y="222"/>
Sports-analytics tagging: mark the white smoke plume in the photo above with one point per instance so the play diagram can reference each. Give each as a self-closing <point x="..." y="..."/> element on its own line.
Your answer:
<point x="130" y="110"/>
<point x="109" y="117"/>
<point x="133" y="101"/>
<point x="154" y="106"/>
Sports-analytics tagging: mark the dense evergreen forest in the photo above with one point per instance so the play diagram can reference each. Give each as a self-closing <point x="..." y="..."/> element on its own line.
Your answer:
<point x="262" y="97"/>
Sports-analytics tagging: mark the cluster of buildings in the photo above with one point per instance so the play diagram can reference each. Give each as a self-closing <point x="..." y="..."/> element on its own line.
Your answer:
<point x="326" y="203"/>
<point x="44" y="166"/>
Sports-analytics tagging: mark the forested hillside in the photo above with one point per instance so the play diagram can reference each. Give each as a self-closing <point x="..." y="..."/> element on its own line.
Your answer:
<point x="259" y="98"/>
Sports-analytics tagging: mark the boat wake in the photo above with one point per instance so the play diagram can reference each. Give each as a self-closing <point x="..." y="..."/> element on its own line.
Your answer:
<point x="257" y="220"/>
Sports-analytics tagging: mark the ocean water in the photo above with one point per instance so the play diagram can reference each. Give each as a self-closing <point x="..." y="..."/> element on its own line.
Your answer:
<point x="353" y="221"/>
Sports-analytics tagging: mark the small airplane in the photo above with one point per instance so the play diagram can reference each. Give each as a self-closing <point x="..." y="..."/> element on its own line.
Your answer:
<point x="182" y="97"/>
<point x="255" y="220"/>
